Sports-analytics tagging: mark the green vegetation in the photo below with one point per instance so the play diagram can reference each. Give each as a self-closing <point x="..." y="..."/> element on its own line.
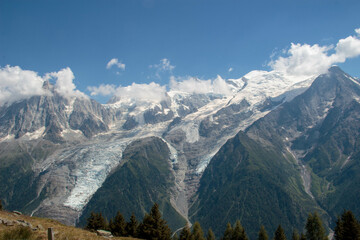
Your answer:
<point x="279" y="234"/>
<point x="197" y="232"/>
<point x="314" y="228"/>
<point x="347" y="227"/>
<point x="143" y="179"/>
<point x="210" y="235"/>
<point x="257" y="185"/>
<point x="118" y="225"/>
<point x="153" y="226"/>
<point x="95" y="222"/>
<point x="263" y="234"/>
<point x="18" y="186"/>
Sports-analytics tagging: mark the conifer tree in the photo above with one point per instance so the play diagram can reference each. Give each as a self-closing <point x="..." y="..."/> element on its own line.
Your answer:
<point x="132" y="226"/>
<point x="302" y="236"/>
<point x="210" y="235"/>
<point x="279" y="234"/>
<point x="263" y="234"/>
<point x="197" y="232"/>
<point x="228" y="232"/>
<point x="117" y="226"/>
<point x="347" y="227"/>
<point x="295" y="235"/>
<point x="185" y="233"/>
<point x="96" y="221"/>
<point x="175" y="237"/>
<point x="238" y="232"/>
<point x="314" y="228"/>
<point x="153" y="226"/>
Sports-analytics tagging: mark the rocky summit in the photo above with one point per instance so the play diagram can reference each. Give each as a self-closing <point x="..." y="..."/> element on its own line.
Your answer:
<point x="271" y="145"/>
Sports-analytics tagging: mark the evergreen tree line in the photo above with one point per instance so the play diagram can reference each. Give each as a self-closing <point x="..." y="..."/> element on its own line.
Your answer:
<point x="154" y="227"/>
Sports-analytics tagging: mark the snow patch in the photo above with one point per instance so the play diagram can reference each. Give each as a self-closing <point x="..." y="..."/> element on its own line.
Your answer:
<point x="9" y="137"/>
<point x="34" y="135"/>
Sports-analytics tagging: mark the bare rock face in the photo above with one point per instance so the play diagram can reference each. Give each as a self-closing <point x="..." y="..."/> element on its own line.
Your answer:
<point x="50" y="115"/>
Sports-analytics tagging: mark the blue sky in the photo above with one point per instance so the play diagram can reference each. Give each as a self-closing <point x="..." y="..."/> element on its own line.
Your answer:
<point x="154" y="39"/>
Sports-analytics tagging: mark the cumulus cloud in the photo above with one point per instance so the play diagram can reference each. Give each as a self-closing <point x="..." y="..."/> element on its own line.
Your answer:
<point x="357" y="31"/>
<point x="151" y="92"/>
<point x="142" y="92"/>
<point x="195" y="85"/>
<point x="64" y="84"/>
<point x="17" y="84"/>
<point x="103" y="90"/>
<point x="308" y="60"/>
<point x="115" y="62"/>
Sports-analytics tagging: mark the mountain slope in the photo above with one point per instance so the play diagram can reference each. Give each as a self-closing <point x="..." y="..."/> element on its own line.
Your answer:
<point x="144" y="178"/>
<point x="305" y="153"/>
<point x="67" y="154"/>
<point x="257" y="185"/>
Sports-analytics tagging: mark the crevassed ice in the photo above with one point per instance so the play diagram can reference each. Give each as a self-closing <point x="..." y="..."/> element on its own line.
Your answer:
<point x="95" y="163"/>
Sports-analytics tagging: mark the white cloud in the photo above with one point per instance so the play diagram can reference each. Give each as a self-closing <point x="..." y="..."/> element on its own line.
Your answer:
<point x="64" y="84"/>
<point x="164" y="65"/>
<point x="347" y="48"/>
<point x="195" y="85"/>
<point x="115" y="62"/>
<point x="357" y="31"/>
<point x="17" y="84"/>
<point x="230" y="69"/>
<point x="307" y="60"/>
<point x="103" y="90"/>
<point x="152" y="92"/>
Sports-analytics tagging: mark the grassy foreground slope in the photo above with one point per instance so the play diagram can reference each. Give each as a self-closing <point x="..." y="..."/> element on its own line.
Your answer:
<point x="61" y="231"/>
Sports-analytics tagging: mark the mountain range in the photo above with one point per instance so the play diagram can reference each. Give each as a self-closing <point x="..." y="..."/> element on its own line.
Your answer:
<point x="268" y="151"/>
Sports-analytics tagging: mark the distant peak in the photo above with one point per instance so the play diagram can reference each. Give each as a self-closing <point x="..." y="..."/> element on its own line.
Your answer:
<point x="46" y="85"/>
<point x="335" y="69"/>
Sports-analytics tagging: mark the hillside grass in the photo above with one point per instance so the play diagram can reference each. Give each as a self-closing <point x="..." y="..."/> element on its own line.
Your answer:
<point x="62" y="232"/>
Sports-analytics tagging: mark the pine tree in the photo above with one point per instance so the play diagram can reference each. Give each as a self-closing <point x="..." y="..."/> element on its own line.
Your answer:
<point x="175" y="237"/>
<point x="238" y="232"/>
<point x="197" y="232"/>
<point x="302" y="236"/>
<point x="153" y="226"/>
<point x="117" y="226"/>
<point x="279" y="234"/>
<point x="314" y="228"/>
<point x="295" y="235"/>
<point x="263" y="234"/>
<point x="347" y="227"/>
<point x="132" y="226"/>
<point x="228" y="232"/>
<point x="339" y="229"/>
<point x="210" y="235"/>
<point x="185" y="233"/>
<point x="96" y="221"/>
